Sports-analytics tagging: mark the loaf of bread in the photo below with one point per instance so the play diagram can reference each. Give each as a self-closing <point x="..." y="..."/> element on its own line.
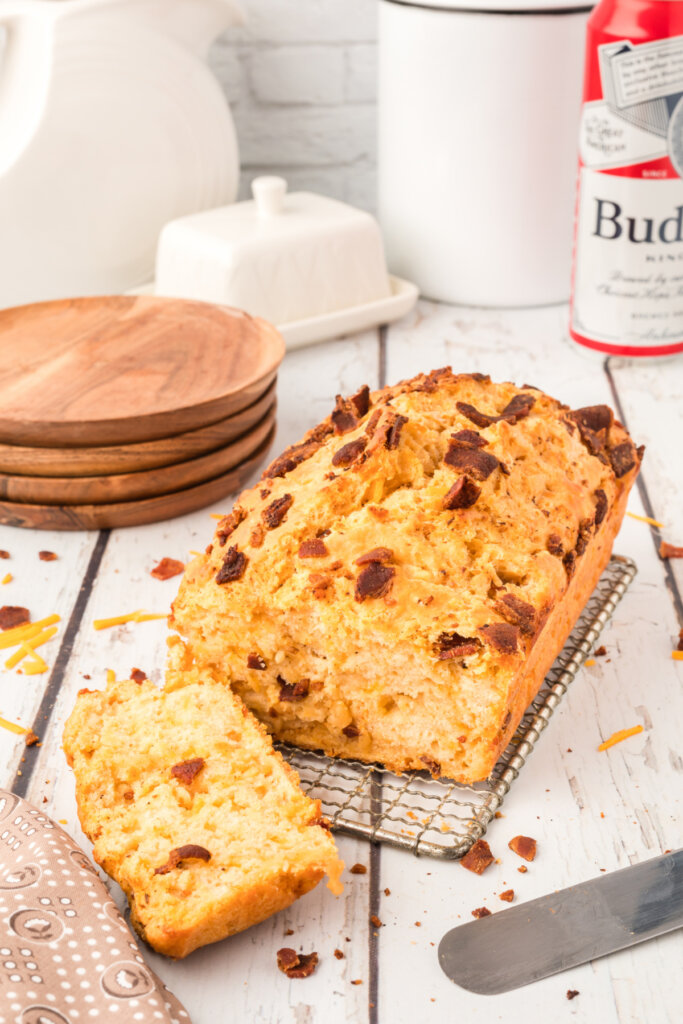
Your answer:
<point x="398" y="584"/>
<point x="190" y="809"/>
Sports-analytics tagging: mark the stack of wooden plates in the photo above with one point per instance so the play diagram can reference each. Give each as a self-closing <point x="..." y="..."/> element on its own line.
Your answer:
<point x="124" y="410"/>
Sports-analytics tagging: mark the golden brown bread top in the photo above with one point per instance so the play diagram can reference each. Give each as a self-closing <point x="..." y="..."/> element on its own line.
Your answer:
<point x="445" y="514"/>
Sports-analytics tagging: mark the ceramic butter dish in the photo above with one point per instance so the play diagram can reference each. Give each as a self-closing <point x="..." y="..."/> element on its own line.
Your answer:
<point x="311" y="265"/>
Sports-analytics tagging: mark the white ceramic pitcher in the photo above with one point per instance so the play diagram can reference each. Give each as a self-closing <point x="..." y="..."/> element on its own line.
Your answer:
<point x="111" y="124"/>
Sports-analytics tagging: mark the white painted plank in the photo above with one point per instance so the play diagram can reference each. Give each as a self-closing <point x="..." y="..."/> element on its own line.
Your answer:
<point x="45" y="588"/>
<point x="560" y="795"/>
<point x="243" y="967"/>
<point x="651" y="396"/>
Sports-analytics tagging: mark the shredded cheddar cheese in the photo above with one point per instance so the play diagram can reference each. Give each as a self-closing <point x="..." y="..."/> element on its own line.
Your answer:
<point x="13" y="727"/>
<point x="645" y="519"/>
<point x="622" y="734"/>
<point x="111" y="675"/>
<point x="7" y="578"/>
<point x="28" y="647"/>
<point x="217" y="515"/>
<point x="677" y="655"/>
<point x="36" y="666"/>
<point x="119" y="620"/>
<point x="17" y="635"/>
<point x="589" y="662"/>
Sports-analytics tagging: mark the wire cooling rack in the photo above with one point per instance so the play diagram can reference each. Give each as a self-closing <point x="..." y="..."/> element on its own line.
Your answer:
<point x="441" y="818"/>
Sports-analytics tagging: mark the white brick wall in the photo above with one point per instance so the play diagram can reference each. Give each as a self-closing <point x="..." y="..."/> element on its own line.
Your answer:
<point x="300" y="79"/>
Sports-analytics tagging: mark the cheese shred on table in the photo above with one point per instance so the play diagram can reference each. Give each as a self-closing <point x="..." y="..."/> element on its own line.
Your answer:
<point x="622" y="734"/>
<point x="119" y="620"/>
<point x="12" y="726"/>
<point x="645" y="519"/>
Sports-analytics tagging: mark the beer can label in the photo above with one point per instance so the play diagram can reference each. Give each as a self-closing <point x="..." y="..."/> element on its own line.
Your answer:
<point x="628" y="259"/>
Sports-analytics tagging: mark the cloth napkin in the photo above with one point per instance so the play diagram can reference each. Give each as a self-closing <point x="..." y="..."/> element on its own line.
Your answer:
<point x="66" y="954"/>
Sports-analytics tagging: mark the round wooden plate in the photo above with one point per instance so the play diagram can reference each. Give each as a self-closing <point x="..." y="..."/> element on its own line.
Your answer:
<point x="132" y="458"/>
<point x="102" y="490"/>
<point x="122" y="369"/>
<point x="133" y="513"/>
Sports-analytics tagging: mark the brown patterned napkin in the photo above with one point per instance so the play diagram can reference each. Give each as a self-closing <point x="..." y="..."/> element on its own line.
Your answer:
<point x="66" y="954"/>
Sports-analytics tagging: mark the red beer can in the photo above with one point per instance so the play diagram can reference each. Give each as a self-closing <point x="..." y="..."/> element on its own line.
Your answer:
<point x="627" y="280"/>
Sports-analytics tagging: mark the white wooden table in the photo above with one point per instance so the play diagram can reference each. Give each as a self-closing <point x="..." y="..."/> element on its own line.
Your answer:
<point x="588" y="810"/>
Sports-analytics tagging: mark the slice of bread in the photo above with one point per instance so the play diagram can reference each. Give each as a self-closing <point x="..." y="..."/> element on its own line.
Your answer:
<point x="202" y="824"/>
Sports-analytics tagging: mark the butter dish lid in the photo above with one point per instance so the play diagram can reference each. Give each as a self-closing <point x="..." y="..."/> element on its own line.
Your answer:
<point x="284" y="256"/>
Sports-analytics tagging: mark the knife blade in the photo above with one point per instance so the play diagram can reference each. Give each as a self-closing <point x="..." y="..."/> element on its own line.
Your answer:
<point x="566" y="928"/>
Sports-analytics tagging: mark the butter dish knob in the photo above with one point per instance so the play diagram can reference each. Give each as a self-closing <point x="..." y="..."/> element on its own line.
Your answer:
<point x="269" y="193"/>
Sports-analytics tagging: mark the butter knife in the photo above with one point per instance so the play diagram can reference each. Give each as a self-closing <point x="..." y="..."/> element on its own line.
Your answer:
<point x="570" y="927"/>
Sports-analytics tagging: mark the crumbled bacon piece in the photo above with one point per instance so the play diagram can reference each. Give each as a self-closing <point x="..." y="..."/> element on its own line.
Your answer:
<point x="503" y="636"/>
<point x="518" y="612"/>
<point x="229" y="524"/>
<point x="375" y="580"/>
<point x="432" y="766"/>
<point x="187" y="771"/>
<point x="137" y="675"/>
<point x="343" y="416"/>
<point x="348" y="453"/>
<point x="477" y="463"/>
<point x="600" y="652"/>
<point x="358" y="869"/>
<point x="13" y="615"/>
<point x="256" y="662"/>
<point x="523" y="846"/>
<point x="376" y="555"/>
<point x="585" y="530"/>
<point x="167" y="568"/>
<point x="517" y="408"/>
<point x="601" y="505"/>
<point x="352" y="731"/>
<point x="470" y="437"/>
<point x="596" y="419"/>
<point x="453" y="645"/>
<point x="569" y="562"/>
<point x="48" y="556"/>
<point x="275" y="513"/>
<point x="361" y="400"/>
<point x="4" y="554"/>
<point x="234" y="566"/>
<point x="295" y="455"/>
<point x="393" y="434"/>
<point x="189" y="852"/>
<point x="481" y="912"/>
<point x="478" y="857"/>
<point x="339" y="955"/>
<point x="296" y="965"/>
<point x="523" y="869"/>
<point x="554" y="545"/>
<point x="572" y="993"/>
<point x="480" y="419"/>
<point x="507" y="896"/>
<point x="623" y="458"/>
<point x="667" y="550"/>
<point x="314" y="548"/>
<point x="463" y="494"/>
<point x="372" y="422"/>
<point x="291" y="692"/>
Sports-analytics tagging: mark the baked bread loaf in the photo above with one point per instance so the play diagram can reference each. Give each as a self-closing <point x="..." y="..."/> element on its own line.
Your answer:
<point x="397" y="586"/>
<point x="190" y="810"/>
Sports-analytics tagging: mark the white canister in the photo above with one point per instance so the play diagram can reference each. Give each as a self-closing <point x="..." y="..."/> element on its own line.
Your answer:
<point x="478" y="125"/>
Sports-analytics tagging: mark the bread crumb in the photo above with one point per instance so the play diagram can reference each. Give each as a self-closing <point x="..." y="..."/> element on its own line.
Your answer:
<point x="358" y="869"/>
<point x="523" y="846"/>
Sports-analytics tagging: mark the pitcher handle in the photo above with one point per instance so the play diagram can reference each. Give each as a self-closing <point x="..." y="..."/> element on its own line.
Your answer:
<point x="24" y="72"/>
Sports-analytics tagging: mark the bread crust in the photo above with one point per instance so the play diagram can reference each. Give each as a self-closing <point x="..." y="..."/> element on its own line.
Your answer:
<point x="404" y="577"/>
